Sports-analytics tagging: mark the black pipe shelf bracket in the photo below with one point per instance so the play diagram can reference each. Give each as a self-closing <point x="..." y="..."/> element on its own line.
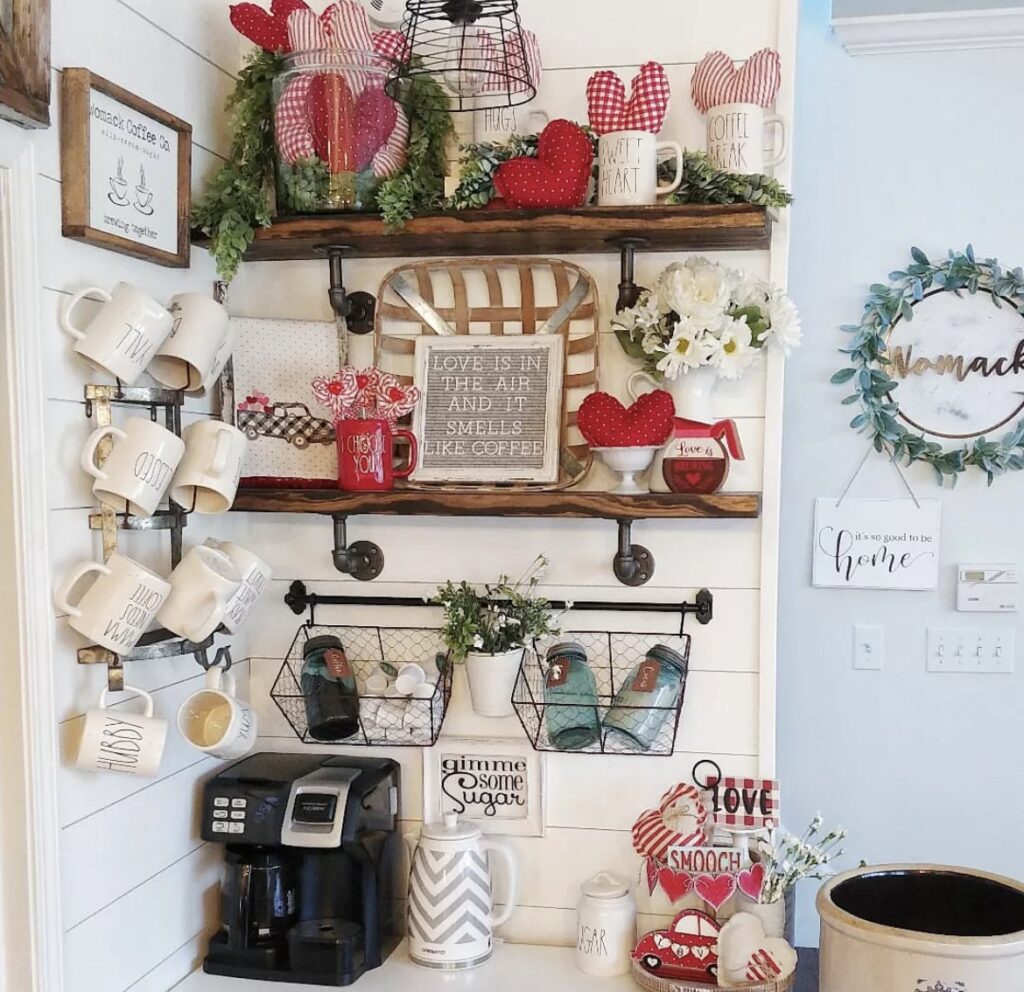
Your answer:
<point x="358" y="310"/>
<point x="363" y="560"/>
<point x="629" y="291"/>
<point x="300" y="600"/>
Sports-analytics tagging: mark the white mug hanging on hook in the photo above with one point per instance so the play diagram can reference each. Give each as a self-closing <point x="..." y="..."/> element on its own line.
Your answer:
<point x="214" y="720"/>
<point x="122" y="741"/>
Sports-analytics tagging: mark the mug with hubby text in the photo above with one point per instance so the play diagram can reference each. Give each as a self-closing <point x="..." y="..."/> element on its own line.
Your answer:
<point x="628" y="169"/>
<point x="118" y="607"/>
<point x="121" y="741"/>
<point x="214" y="721"/>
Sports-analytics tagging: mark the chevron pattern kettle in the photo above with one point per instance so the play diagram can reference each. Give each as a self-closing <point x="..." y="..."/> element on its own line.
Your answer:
<point x="451" y="918"/>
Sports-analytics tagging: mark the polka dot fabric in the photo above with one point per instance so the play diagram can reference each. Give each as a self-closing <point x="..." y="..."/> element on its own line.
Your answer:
<point x="605" y="423"/>
<point x="558" y="178"/>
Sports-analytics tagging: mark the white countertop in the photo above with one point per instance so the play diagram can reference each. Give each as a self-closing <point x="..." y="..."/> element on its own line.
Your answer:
<point x="513" y="968"/>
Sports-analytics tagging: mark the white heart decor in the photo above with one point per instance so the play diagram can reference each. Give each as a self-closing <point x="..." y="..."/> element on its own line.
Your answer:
<point x="746" y="954"/>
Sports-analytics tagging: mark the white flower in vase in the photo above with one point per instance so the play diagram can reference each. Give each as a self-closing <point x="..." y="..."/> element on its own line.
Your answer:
<point x="733" y="352"/>
<point x="688" y="348"/>
<point x="784" y="323"/>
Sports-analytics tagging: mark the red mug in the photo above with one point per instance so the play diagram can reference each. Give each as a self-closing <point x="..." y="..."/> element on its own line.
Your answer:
<point x="366" y="455"/>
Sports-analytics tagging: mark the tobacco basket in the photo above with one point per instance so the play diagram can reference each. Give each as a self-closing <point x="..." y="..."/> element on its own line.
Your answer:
<point x="498" y="297"/>
<point x="646" y="980"/>
<point x="611" y="656"/>
<point x="383" y="721"/>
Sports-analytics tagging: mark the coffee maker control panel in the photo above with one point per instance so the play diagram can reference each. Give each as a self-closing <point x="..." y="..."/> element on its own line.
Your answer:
<point x="229" y="815"/>
<point x="315" y="816"/>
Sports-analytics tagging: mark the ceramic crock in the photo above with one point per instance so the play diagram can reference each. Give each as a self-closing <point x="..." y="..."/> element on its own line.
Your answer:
<point x="921" y="928"/>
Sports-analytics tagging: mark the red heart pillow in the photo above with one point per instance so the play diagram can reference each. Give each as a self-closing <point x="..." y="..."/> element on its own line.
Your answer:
<point x="376" y="116"/>
<point x="265" y="30"/>
<point x="333" y="111"/>
<point x="557" y="178"/>
<point x="605" y="423"/>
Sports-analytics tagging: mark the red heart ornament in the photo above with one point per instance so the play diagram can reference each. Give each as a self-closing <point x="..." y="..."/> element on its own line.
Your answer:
<point x="333" y="112"/>
<point x="605" y="423"/>
<point x="652" y="875"/>
<point x="674" y="884"/>
<point x="265" y="30"/>
<point x="376" y="115"/>
<point x="715" y="890"/>
<point x="559" y="177"/>
<point x="750" y="881"/>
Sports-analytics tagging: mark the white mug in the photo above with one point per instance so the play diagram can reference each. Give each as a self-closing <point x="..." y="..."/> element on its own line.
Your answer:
<point x="137" y="473"/>
<point x="115" y="741"/>
<point x="497" y="125"/>
<point x="118" y="607"/>
<point x="123" y="335"/>
<point x="628" y="169"/>
<point x="737" y="138"/>
<point x="207" y="478"/>
<point x="215" y="721"/>
<point x="202" y="586"/>
<point x="223" y="355"/>
<point x="255" y="575"/>
<point x="187" y="356"/>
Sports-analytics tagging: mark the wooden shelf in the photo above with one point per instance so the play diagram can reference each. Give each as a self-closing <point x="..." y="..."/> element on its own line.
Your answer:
<point x="419" y="502"/>
<point x="591" y="230"/>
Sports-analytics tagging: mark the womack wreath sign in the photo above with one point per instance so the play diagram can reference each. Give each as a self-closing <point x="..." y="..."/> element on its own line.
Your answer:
<point x="937" y="365"/>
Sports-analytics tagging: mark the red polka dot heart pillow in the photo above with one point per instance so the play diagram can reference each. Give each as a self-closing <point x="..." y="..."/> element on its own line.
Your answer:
<point x="605" y="423"/>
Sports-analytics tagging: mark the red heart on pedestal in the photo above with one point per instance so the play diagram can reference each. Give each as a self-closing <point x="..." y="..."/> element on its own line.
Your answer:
<point x="605" y="423"/>
<point x="674" y="884"/>
<point x="715" y="890"/>
<point x="558" y="177"/>
<point x="376" y="116"/>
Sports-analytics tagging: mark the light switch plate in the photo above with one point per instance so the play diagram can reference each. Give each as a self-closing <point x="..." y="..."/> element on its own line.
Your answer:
<point x="868" y="647"/>
<point x="971" y="650"/>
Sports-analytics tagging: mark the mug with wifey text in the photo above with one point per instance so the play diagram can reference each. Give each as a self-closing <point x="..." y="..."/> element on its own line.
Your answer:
<point x="628" y="169"/>
<point x="737" y="138"/>
<point x="123" y="335"/>
<point x="121" y="741"/>
<point x="117" y="609"/>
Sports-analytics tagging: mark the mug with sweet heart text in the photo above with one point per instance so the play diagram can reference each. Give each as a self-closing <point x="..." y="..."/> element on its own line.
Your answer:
<point x="737" y="138"/>
<point x="117" y="609"/>
<point x="207" y="478"/>
<point x="123" y="335"/>
<point x="199" y="331"/>
<point x="202" y="587"/>
<point x="121" y="741"/>
<point x="628" y="169"/>
<point x="214" y="721"/>
<point x="137" y="473"/>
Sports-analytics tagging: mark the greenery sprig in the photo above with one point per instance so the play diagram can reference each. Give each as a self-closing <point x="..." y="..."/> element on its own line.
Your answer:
<point x="703" y="183"/>
<point x="480" y="163"/>
<point x="874" y="388"/>
<point x="237" y="200"/>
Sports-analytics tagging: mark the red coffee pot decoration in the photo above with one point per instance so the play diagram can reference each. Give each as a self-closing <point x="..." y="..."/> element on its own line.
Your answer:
<point x="697" y="456"/>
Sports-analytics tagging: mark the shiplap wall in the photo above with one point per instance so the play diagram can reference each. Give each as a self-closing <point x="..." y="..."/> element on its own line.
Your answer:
<point x="138" y="885"/>
<point x="729" y="711"/>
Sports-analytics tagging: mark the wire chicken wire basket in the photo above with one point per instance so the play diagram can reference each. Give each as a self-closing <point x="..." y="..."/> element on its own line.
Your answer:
<point x="613" y="657"/>
<point x="384" y="721"/>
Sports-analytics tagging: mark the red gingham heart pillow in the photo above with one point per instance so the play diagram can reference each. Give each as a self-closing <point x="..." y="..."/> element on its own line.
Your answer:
<point x="644" y="111"/>
<point x="716" y="80"/>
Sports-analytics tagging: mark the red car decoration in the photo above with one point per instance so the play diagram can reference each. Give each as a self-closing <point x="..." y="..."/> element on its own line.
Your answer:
<point x="687" y="950"/>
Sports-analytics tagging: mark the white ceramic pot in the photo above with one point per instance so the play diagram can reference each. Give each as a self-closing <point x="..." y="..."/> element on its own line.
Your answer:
<point x="492" y="677"/>
<point x="771" y="914"/>
<point x="921" y="928"/>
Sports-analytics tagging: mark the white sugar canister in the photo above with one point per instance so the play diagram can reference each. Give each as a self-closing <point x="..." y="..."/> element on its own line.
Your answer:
<point x="606" y="926"/>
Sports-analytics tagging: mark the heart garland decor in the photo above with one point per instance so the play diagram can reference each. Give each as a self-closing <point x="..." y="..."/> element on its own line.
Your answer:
<point x="715" y="890"/>
<point x="716" y="80"/>
<point x="750" y="881"/>
<point x="676" y="885"/>
<point x="605" y="423"/>
<point x="558" y="178"/>
<point x="646" y="108"/>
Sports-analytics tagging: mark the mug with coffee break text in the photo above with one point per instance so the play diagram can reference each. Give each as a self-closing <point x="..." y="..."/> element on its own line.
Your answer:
<point x="737" y="138"/>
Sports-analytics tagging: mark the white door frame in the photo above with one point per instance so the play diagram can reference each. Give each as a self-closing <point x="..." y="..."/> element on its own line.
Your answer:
<point x="31" y="938"/>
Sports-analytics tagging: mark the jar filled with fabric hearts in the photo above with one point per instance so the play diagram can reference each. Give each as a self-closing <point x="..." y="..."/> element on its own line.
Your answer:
<point x="697" y="457"/>
<point x="338" y="135"/>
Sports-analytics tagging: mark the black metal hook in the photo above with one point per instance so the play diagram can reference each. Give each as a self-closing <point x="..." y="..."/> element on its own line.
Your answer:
<point x="358" y="310"/>
<point x="629" y="291"/>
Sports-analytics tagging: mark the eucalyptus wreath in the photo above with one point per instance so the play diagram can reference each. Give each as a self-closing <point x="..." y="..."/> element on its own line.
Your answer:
<point x="874" y="388"/>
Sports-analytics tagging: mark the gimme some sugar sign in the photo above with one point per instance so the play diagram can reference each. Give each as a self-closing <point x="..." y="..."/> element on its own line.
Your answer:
<point x="876" y="543"/>
<point x="491" y="408"/>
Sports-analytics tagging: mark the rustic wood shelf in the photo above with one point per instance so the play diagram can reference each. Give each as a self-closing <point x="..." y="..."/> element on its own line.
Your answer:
<point x="591" y="230"/>
<point x="566" y="503"/>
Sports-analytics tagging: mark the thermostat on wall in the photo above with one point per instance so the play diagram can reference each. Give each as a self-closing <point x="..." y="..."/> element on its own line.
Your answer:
<point x="986" y="589"/>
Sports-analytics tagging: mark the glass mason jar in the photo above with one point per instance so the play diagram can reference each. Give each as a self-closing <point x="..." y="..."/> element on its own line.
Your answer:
<point x="647" y="698"/>
<point x="337" y="134"/>
<point x="570" y="697"/>
<point x="329" y="690"/>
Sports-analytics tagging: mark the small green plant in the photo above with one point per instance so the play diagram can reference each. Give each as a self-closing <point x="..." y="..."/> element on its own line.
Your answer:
<point x="505" y="616"/>
<point x="703" y="183"/>
<point x="303" y="186"/>
<point x="237" y="200"/>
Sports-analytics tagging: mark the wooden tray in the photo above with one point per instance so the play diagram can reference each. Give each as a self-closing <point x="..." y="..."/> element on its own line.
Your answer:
<point x="646" y="980"/>
<point x="498" y="296"/>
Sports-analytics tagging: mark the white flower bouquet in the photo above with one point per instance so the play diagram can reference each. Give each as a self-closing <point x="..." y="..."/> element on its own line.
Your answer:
<point x="702" y="314"/>
<point x="788" y="859"/>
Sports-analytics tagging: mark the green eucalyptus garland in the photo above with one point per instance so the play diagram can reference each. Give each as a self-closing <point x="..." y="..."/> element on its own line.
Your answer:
<point x="874" y="388"/>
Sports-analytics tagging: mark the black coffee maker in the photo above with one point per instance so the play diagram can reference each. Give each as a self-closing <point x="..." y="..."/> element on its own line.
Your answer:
<point x="310" y="867"/>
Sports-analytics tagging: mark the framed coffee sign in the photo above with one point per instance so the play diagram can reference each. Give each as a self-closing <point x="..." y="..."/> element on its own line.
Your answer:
<point x="937" y="365"/>
<point x="497" y="784"/>
<point x="491" y="408"/>
<point x="126" y="171"/>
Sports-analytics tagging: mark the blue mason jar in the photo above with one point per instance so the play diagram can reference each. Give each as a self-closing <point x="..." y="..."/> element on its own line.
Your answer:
<point x="647" y="698"/>
<point x="570" y="698"/>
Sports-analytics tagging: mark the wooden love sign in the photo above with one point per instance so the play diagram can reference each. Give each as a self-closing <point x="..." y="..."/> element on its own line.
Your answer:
<point x="740" y="803"/>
